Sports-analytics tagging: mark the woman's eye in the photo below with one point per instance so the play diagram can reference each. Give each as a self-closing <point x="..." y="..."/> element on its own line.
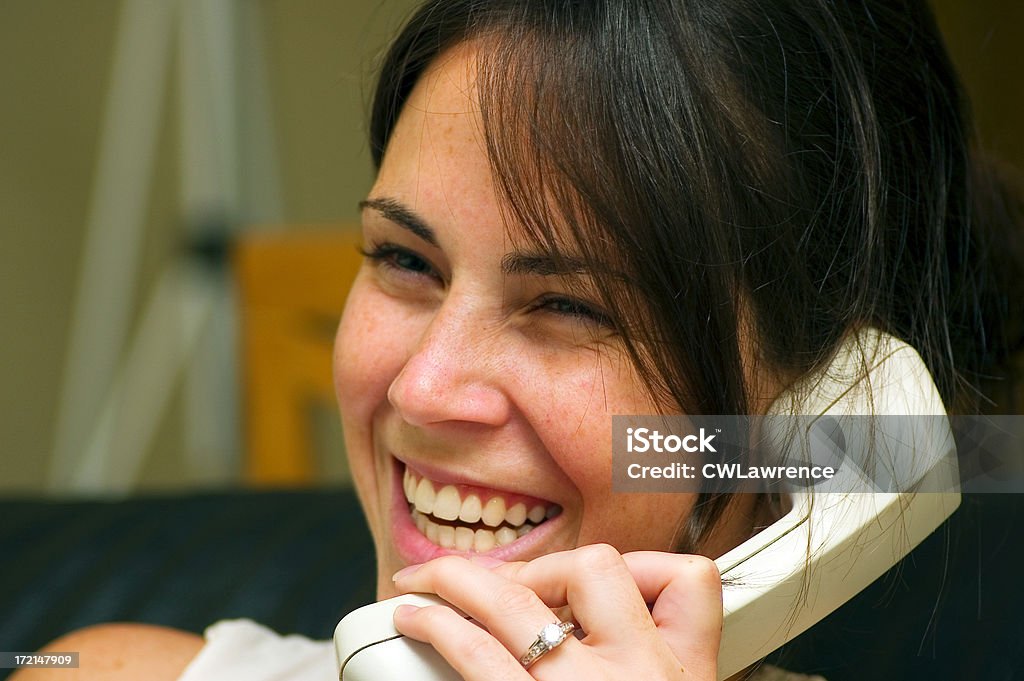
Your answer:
<point x="577" y="309"/>
<point x="401" y="259"/>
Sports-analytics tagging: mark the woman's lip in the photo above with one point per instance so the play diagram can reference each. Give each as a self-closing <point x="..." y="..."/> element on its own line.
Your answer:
<point x="414" y="548"/>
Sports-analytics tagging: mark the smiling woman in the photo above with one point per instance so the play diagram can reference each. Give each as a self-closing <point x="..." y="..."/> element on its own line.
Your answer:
<point x="486" y="372"/>
<point x="585" y="209"/>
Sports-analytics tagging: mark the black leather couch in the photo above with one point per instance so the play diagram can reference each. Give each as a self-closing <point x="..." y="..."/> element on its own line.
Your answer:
<point x="297" y="561"/>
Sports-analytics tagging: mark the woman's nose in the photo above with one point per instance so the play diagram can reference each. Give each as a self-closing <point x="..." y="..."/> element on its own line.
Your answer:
<point x="454" y="373"/>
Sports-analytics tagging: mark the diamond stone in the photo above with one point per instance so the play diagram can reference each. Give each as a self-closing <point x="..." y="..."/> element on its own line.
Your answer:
<point x="551" y="634"/>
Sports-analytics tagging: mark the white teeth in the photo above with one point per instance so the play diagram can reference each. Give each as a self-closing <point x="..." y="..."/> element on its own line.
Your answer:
<point x="516" y="515"/>
<point x="505" y="535"/>
<point x="494" y="512"/>
<point x="483" y="540"/>
<point x="447" y="503"/>
<point x="408" y="486"/>
<point x="463" y="539"/>
<point x="425" y="496"/>
<point x="471" y="509"/>
<point x="446" y="536"/>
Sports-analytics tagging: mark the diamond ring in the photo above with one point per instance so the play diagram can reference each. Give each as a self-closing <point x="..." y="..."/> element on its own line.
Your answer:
<point x="549" y="638"/>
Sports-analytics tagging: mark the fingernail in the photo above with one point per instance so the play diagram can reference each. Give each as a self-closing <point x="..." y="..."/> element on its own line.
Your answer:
<point x="486" y="561"/>
<point x="403" y="611"/>
<point x="405" y="572"/>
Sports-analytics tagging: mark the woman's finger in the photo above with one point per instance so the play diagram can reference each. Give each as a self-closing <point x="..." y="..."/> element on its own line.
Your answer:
<point x="686" y="592"/>
<point x="511" y="612"/>
<point x="609" y="593"/>
<point x="597" y="584"/>
<point x="471" y="651"/>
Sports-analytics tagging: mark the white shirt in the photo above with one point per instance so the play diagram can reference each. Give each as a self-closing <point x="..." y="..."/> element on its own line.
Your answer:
<point x="242" y="650"/>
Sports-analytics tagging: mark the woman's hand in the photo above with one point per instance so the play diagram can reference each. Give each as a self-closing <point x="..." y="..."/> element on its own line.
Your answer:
<point x="607" y="594"/>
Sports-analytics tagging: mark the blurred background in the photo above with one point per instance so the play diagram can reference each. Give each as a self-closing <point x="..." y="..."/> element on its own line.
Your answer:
<point x="178" y="190"/>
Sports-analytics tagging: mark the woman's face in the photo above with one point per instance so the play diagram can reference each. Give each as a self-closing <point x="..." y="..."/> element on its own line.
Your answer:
<point x="472" y="377"/>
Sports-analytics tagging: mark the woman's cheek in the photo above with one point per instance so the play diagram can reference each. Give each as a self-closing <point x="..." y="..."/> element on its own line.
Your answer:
<point x="362" y="354"/>
<point x="575" y="425"/>
<point x="361" y="377"/>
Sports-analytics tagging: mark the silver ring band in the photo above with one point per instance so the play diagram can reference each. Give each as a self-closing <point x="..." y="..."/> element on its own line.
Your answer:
<point x="549" y="638"/>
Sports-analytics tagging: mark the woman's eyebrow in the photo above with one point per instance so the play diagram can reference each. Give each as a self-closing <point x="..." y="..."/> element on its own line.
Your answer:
<point x="523" y="263"/>
<point x="543" y="264"/>
<point x="403" y="217"/>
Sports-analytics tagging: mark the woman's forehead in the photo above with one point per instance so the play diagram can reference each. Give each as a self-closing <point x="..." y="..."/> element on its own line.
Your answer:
<point x="438" y="163"/>
<point x="436" y="160"/>
<point x="448" y="86"/>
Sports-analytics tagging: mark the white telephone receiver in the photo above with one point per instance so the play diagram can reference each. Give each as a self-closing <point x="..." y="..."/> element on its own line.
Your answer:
<point x="827" y="548"/>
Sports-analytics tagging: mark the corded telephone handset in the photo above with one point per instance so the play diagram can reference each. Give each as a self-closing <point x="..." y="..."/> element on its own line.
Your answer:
<point x="828" y="547"/>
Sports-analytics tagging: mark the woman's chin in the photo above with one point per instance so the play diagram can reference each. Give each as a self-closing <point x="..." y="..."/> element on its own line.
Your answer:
<point x="387" y="565"/>
<point x="385" y="589"/>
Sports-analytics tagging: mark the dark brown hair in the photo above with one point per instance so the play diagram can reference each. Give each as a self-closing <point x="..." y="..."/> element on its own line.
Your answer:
<point x="794" y="170"/>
